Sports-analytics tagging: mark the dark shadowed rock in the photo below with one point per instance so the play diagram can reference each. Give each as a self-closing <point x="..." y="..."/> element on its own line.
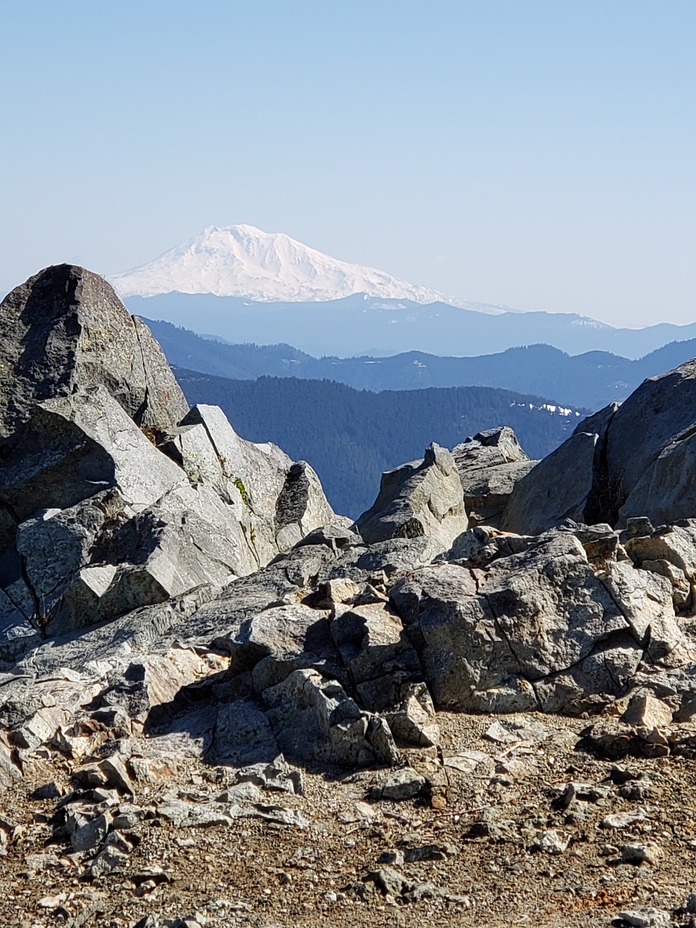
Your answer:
<point x="667" y="490"/>
<point x="652" y="417"/>
<point x="557" y="488"/>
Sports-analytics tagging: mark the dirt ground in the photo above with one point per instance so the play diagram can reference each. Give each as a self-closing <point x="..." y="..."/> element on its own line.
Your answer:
<point x="476" y="831"/>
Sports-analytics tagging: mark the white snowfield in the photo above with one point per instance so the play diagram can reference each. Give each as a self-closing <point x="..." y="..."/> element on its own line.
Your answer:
<point x="245" y="262"/>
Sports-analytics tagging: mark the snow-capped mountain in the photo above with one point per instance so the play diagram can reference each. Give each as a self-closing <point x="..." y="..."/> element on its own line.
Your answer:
<point x="243" y="261"/>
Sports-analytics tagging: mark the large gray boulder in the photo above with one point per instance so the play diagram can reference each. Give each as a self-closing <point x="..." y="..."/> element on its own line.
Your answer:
<point x="64" y="329"/>
<point x="538" y="629"/>
<point x="490" y="465"/>
<point x="640" y="463"/>
<point x="416" y="499"/>
<point x="666" y="492"/>
<point x="113" y="496"/>
<point x="656" y="414"/>
<point x="557" y="488"/>
<point x="315" y="720"/>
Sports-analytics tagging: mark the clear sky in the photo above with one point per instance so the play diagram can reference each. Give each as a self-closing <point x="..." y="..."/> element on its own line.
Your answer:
<point x="534" y="153"/>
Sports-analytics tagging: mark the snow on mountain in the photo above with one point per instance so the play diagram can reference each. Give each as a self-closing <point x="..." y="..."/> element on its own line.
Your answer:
<point x="243" y="261"/>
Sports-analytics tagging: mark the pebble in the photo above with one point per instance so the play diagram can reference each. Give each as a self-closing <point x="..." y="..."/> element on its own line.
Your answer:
<point x="551" y="842"/>
<point x="623" y="819"/>
<point x="642" y="853"/>
<point x="398" y="786"/>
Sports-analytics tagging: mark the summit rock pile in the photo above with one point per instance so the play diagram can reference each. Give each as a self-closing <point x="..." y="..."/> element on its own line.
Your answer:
<point x="169" y="590"/>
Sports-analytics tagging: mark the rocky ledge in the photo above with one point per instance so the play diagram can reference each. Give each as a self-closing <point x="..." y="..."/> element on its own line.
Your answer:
<point x="188" y="631"/>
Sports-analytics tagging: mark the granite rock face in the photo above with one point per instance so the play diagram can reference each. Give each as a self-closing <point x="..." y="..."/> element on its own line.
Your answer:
<point x="65" y="329"/>
<point x="636" y="460"/>
<point x="540" y="629"/>
<point x="557" y="488"/>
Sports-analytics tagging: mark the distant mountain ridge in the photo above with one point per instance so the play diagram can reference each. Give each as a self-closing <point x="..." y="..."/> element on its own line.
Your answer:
<point x="358" y="325"/>
<point x="242" y="284"/>
<point x="591" y="380"/>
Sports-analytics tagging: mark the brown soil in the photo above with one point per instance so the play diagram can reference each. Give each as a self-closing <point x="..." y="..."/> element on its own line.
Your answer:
<point x="258" y="874"/>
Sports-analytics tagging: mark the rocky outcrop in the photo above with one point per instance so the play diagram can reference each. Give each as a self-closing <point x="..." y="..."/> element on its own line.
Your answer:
<point x="637" y="460"/>
<point x="113" y="495"/>
<point x="661" y="411"/>
<point x="539" y="629"/>
<point x="416" y="499"/>
<point x="180" y="606"/>
<point x="65" y="329"/>
<point x="556" y="488"/>
<point x="177" y="581"/>
<point x="490" y="465"/>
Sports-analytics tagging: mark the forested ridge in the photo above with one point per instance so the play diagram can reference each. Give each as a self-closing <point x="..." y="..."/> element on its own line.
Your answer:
<point x="350" y="436"/>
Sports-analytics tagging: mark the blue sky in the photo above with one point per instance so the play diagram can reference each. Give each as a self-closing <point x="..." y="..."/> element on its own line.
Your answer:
<point x="535" y="153"/>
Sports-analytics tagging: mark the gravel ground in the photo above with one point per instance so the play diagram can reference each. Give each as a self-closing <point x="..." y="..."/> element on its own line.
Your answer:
<point x="500" y="841"/>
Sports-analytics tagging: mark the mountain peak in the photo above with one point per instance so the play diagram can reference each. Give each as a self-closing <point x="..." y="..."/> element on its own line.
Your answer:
<point x="243" y="261"/>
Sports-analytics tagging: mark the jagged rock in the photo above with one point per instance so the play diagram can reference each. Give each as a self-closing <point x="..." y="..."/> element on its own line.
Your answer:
<point x="557" y="488"/>
<point x="661" y="409"/>
<point x="622" y="477"/>
<point x="95" y="521"/>
<point x="646" y="917"/>
<point x="536" y="629"/>
<point x="483" y="544"/>
<point x="314" y="719"/>
<point x="645" y="710"/>
<point x="413" y="721"/>
<point x="160" y="574"/>
<point x="285" y="581"/>
<point x="421" y="498"/>
<point x="490" y="465"/>
<point x="615" y="740"/>
<point x="384" y="559"/>
<point x="446" y="620"/>
<point x="667" y="490"/>
<point x="376" y="652"/>
<point x="283" y="500"/>
<point x="72" y="448"/>
<point x="9" y="772"/>
<point x="671" y="552"/>
<point x="397" y="786"/>
<point x="645" y="600"/>
<point x="87" y="835"/>
<point x="551" y="841"/>
<point x="243" y="735"/>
